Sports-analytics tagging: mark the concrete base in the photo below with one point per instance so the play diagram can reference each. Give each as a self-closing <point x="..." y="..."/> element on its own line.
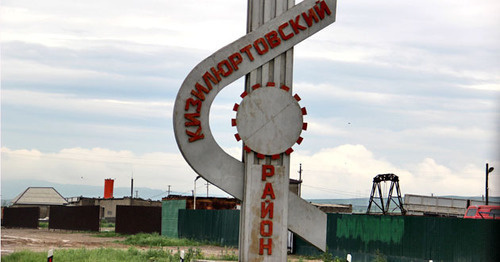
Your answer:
<point x="264" y="214"/>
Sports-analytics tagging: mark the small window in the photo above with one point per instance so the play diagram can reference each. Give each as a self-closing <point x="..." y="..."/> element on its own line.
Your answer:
<point x="471" y="212"/>
<point x="110" y="213"/>
<point x="495" y="213"/>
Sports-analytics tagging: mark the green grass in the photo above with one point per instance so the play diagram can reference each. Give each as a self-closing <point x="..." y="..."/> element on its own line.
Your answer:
<point x="379" y="257"/>
<point x="132" y="254"/>
<point x="105" y="223"/>
<point x="104" y="255"/>
<point x="108" y="234"/>
<point x="225" y="255"/>
<point x="25" y="256"/>
<point x="155" y="240"/>
<point x="325" y="256"/>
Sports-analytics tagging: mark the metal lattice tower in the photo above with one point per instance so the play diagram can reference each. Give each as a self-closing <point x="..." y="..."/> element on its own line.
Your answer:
<point x="377" y="189"/>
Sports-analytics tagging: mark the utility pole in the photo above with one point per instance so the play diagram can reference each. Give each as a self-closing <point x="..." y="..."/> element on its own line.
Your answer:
<point x="194" y="192"/>
<point x="300" y="179"/>
<point x="207" y="187"/>
<point x="132" y="185"/>
<point x="168" y="190"/>
<point x="488" y="171"/>
<point x="132" y="189"/>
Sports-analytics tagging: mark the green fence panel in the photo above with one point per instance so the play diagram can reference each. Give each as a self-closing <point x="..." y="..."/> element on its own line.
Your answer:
<point x="398" y="238"/>
<point x="170" y="217"/>
<point x="218" y="226"/>
<point x="409" y="238"/>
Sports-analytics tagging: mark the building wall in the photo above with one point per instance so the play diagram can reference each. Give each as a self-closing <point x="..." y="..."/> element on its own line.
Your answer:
<point x="294" y="187"/>
<point x="210" y="203"/>
<point x="108" y="206"/>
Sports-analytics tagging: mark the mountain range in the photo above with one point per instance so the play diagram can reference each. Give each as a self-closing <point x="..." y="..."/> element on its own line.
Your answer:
<point x="11" y="189"/>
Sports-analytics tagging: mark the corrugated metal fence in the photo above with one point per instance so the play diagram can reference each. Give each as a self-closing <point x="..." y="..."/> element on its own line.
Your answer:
<point x="400" y="238"/>
<point x="84" y="218"/>
<point x="218" y="226"/>
<point x="20" y="217"/>
<point x="137" y="219"/>
<point x="170" y="217"/>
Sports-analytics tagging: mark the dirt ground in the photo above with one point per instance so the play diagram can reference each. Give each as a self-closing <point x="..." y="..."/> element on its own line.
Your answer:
<point x="42" y="240"/>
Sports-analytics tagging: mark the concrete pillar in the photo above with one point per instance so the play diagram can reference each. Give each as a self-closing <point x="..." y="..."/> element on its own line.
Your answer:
<point x="260" y="212"/>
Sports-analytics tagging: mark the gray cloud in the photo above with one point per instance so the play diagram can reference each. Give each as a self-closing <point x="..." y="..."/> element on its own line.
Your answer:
<point x="411" y="86"/>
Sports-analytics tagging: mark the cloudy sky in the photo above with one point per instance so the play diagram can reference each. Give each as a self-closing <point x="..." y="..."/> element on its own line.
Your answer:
<point x="405" y="87"/>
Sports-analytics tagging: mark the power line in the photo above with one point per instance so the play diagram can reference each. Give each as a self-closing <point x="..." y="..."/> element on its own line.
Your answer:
<point x="335" y="191"/>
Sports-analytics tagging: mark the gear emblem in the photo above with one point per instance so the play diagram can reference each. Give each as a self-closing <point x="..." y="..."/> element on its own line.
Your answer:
<point x="269" y="120"/>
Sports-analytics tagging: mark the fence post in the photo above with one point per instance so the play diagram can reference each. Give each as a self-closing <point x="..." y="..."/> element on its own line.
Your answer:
<point x="50" y="255"/>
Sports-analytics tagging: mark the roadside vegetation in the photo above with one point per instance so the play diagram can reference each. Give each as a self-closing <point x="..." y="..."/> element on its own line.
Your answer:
<point x="155" y="252"/>
<point x="105" y="223"/>
<point x="152" y="240"/>
<point x="104" y="255"/>
<point x="107" y="234"/>
<point x="102" y="224"/>
<point x="155" y="240"/>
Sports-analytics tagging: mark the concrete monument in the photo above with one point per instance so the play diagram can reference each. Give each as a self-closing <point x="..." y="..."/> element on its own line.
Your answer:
<point x="269" y="121"/>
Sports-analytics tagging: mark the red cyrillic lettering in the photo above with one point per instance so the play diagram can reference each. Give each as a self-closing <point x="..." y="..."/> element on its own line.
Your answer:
<point x="193" y="102"/>
<point x="192" y="119"/>
<point x="272" y="39"/>
<point x="322" y="9"/>
<point x="266" y="210"/>
<point x="312" y="16"/>
<point x="267" y="171"/>
<point x="296" y="25"/>
<point x="235" y="59"/>
<point x="268" y="191"/>
<point x="268" y="246"/>
<point x="207" y="77"/>
<point x="283" y="36"/>
<point x="217" y="72"/>
<point x="264" y="46"/>
<point x="199" y="91"/>
<point x="266" y="224"/>
<point x="229" y="68"/>
<point x="195" y="136"/>
<point x="246" y="50"/>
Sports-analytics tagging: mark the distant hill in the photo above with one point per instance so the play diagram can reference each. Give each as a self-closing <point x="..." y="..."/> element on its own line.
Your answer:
<point x="10" y="189"/>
